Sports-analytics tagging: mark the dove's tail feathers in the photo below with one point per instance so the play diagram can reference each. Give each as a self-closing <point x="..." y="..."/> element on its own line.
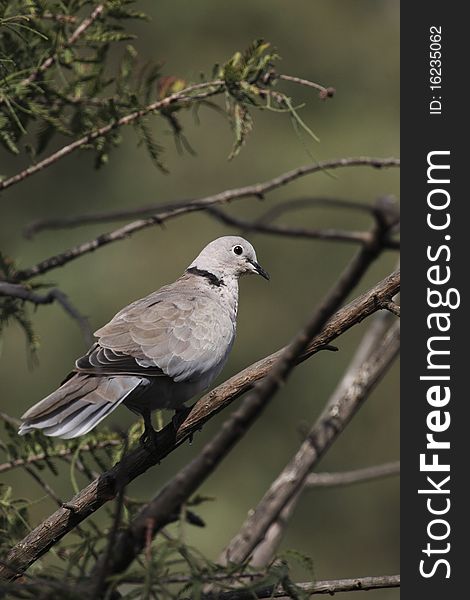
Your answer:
<point x="79" y="404"/>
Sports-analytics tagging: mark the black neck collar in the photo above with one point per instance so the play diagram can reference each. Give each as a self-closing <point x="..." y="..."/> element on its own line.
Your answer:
<point x="211" y="278"/>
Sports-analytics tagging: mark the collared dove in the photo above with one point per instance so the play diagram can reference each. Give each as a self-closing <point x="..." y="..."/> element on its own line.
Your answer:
<point x="159" y="351"/>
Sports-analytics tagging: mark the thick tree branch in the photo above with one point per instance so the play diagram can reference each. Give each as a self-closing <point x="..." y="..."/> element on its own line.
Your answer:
<point x="330" y="424"/>
<point x="266" y="549"/>
<point x="257" y="190"/>
<point x="103" y="489"/>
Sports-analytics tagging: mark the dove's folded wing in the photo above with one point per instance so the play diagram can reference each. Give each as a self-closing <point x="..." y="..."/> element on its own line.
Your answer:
<point x="181" y="335"/>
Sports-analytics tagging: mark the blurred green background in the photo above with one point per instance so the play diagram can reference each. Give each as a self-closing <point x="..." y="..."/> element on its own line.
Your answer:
<point x="352" y="46"/>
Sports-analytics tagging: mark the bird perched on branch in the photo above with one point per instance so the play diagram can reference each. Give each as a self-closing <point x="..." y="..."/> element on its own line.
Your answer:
<point x="159" y="351"/>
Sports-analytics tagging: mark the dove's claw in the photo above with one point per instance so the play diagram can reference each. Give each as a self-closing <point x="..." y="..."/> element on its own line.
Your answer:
<point x="149" y="437"/>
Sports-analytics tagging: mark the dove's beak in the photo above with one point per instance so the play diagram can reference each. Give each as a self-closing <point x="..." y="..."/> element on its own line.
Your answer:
<point x="257" y="268"/>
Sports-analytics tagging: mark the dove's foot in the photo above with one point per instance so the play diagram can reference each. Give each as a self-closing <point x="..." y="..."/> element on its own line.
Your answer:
<point x="150" y="436"/>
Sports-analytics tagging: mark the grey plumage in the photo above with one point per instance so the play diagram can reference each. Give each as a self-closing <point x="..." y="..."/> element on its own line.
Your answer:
<point x="159" y="351"/>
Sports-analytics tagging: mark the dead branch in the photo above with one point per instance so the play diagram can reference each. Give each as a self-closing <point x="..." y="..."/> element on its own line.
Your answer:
<point x="103" y="489"/>
<point x="257" y="191"/>
<point x="337" y="235"/>
<point x="266" y="549"/>
<point x="327" y="480"/>
<point x="319" y="587"/>
<point x="330" y="424"/>
<point x="122" y="215"/>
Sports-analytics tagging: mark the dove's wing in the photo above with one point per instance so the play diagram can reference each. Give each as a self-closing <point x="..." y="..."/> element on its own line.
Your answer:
<point x="172" y="332"/>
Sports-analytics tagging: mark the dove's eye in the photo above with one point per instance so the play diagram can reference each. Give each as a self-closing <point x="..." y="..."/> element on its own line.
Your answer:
<point x="238" y="250"/>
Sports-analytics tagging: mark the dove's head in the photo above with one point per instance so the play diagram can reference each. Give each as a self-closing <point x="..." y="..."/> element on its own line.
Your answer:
<point x="228" y="256"/>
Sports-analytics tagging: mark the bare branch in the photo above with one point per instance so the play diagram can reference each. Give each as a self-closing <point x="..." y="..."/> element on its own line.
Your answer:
<point x="265" y="551"/>
<point x="330" y="424"/>
<point x="103" y="489"/>
<point x="327" y="480"/>
<point x="393" y="307"/>
<point x="257" y="190"/>
<point x="151" y="209"/>
<point x="13" y="290"/>
<point x="267" y="548"/>
<point x="337" y="235"/>
<point x="376" y="331"/>
<point x="331" y="587"/>
<point x="306" y="202"/>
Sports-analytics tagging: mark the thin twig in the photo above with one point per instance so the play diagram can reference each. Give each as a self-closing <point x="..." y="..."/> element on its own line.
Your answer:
<point x="48" y="16"/>
<point x="13" y="290"/>
<point x="328" y="480"/>
<point x="328" y="586"/>
<point x="100" y="491"/>
<point x="84" y="25"/>
<point x="325" y="92"/>
<point x="182" y="96"/>
<point x="257" y="190"/>
<point x="306" y="202"/>
<point x="336" y="235"/>
<point x="265" y="551"/>
<point x="151" y="209"/>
